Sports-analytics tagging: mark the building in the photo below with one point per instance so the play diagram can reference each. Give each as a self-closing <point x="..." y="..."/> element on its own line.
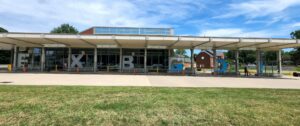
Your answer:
<point x="205" y="59"/>
<point x="121" y="49"/>
<point x="128" y="31"/>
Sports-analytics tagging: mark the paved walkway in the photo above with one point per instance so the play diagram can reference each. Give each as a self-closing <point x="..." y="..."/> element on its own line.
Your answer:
<point x="146" y="80"/>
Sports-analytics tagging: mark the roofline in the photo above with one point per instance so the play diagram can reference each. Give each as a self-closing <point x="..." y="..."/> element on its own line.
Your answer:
<point x="86" y="30"/>
<point x="131" y="27"/>
<point x="124" y="27"/>
<point x="146" y="35"/>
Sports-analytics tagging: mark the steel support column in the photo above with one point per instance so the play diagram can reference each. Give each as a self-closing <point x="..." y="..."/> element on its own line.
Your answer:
<point x="279" y="60"/>
<point x="15" y="58"/>
<point x="12" y="56"/>
<point x="95" y="59"/>
<point x="43" y="59"/>
<point x="145" y="61"/>
<point x="169" y="56"/>
<point x="192" y="62"/>
<point x="237" y="62"/>
<point x="258" y="62"/>
<point x="69" y="59"/>
<point x="121" y="60"/>
<point x="215" y="61"/>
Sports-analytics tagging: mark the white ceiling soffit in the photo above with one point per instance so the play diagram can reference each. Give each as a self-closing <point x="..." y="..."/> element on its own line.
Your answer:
<point x="32" y="39"/>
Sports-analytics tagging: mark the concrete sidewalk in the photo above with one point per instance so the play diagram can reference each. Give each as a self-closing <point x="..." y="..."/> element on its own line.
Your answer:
<point x="146" y="80"/>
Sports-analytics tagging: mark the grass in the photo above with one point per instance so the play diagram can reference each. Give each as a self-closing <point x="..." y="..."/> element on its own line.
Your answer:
<point x="58" y="105"/>
<point x="297" y="69"/>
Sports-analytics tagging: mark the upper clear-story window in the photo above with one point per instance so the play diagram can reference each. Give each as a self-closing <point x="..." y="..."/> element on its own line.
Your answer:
<point x="133" y="31"/>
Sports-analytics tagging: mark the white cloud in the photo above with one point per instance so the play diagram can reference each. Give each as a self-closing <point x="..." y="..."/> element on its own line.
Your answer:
<point x="235" y="32"/>
<point x="295" y="25"/>
<point x="42" y="15"/>
<point x="259" y="8"/>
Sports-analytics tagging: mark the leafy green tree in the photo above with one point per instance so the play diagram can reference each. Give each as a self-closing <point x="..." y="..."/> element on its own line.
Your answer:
<point x="245" y="56"/>
<point x="181" y="52"/>
<point x="295" y="34"/>
<point x="295" y="55"/>
<point x="3" y="30"/>
<point x="286" y="57"/>
<point x="270" y="56"/>
<point x="65" y="28"/>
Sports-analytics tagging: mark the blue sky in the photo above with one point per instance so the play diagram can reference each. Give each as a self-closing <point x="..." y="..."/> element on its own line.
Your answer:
<point x="236" y="18"/>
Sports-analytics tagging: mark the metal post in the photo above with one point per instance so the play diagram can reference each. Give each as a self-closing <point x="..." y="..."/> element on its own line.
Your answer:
<point x="95" y="59"/>
<point x="237" y="62"/>
<point x="192" y="61"/>
<point x="15" y="58"/>
<point x="169" y="56"/>
<point x="145" y="61"/>
<point x="32" y="59"/>
<point x="215" y="61"/>
<point x="69" y="59"/>
<point x="258" y="62"/>
<point x="12" y="56"/>
<point x="279" y="60"/>
<point x="43" y="59"/>
<point x="121" y="59"/>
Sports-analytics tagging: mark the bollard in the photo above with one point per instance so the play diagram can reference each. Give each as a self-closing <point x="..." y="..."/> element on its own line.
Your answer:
<point x="77" y="70"/>
<point x="9" y="68"/>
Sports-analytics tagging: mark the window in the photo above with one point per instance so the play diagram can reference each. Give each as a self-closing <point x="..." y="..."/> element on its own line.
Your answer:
<point x="134" y="31"/>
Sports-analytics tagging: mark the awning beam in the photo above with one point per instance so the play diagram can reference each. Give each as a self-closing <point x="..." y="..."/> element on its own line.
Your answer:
<point x="32" y="43"/>
<point x="253" y="45"/>
<point x="171" y="45"/>
<point x="57" y="42"/>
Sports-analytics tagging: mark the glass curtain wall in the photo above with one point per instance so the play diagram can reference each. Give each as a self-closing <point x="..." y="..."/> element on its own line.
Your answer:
<point x="269" y="63"/>
<point x="82" y="60"/>
<point x="35" y="59"/>
<point x="29" y="59"/>
<point x="157" y="60"/>
<point x="108" y="59"/>
<point x="56" y="59"/>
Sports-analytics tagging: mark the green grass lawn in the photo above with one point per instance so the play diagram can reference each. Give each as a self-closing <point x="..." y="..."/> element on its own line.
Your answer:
<point x="58" y="105"/>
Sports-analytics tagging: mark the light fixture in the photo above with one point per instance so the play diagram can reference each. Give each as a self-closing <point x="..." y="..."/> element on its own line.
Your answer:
<point x="54" y="45"/>
<point x="107" y="46"/>
<point x="156" y="47"/>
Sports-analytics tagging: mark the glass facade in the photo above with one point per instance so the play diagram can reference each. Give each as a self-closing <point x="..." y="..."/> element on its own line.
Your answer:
<point x="29" y="59"/>
<point x="133" y="31"/>
<point x="157" y="60"/>
<point x="108" y="59"/>
<point x="82" y="60"/>
<point x="56" y="59"/>
<point x="134" y="56"/>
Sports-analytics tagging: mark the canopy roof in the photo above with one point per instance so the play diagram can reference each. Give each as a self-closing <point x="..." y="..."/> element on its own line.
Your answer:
<point x="8" y="40"/>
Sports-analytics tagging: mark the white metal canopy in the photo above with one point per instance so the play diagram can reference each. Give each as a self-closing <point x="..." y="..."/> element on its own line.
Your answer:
<point x="8" y="40"/>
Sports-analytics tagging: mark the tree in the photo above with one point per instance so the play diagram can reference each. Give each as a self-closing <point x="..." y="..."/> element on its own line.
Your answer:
<point x="65" y="28"/>
<point x="295" y="34"/>
<point x="286" y="57"/>
<point x="245" y="56"/>
<point x="295" y="55"/>
<point x="3" y="30"/>
<point x="181" y="52"/>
